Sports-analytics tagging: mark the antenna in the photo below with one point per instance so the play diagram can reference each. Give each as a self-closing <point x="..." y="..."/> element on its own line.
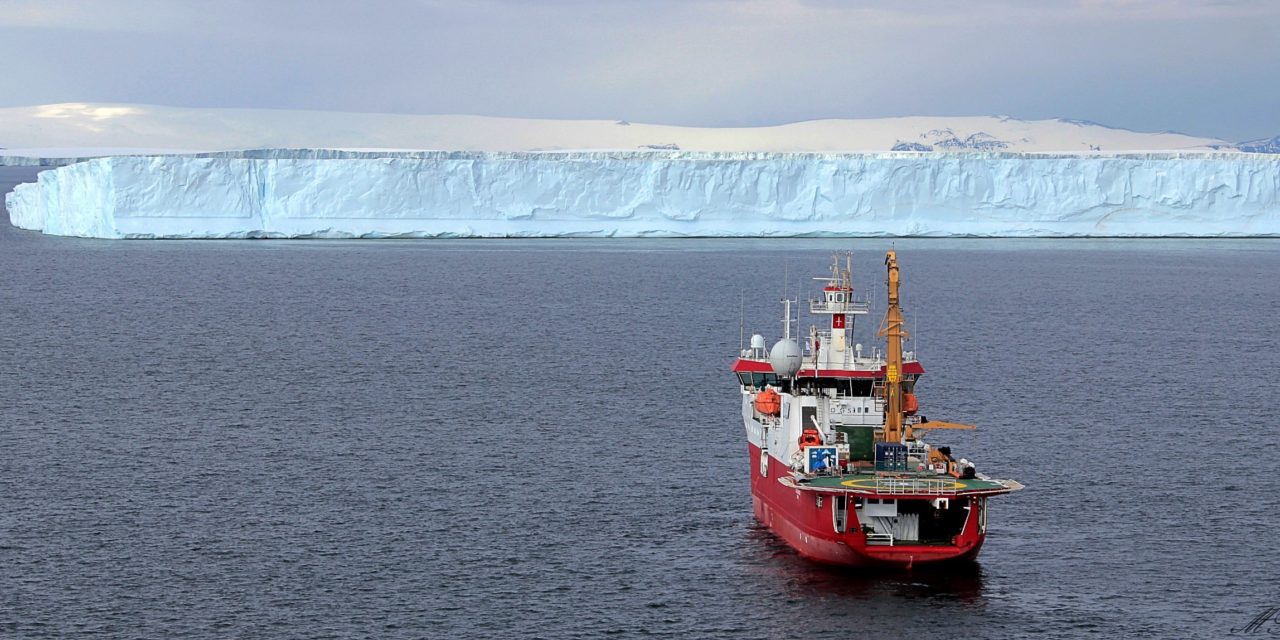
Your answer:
<point x="786" y="318"/>
<point x="742" y="319"/>
<point x="799" y="292"/>
<point x="786" y="309"/>
<point x="797" y="307"/>
<point x="786" y="276"/>
<point x="915" y="318"/>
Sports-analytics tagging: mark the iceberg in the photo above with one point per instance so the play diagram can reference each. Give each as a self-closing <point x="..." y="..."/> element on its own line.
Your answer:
<point x="326" y="193"/>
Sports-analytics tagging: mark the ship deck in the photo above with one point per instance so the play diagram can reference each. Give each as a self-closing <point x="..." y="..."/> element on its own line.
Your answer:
<point x="907" y="484"/>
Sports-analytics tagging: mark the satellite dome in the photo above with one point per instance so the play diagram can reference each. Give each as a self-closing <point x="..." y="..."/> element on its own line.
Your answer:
<point x="785" y="358"/>
<point x="757" y="342"/>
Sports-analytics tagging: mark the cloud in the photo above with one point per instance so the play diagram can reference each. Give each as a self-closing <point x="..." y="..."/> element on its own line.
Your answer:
<point x="105" y="15"/>
<point x="1043" y="13"/>
<point x="1207" y="67"/>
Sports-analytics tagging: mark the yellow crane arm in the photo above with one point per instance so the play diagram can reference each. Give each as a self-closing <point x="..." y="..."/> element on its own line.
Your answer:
<point x="935" y="424"/>
<point x="939" y="424"/>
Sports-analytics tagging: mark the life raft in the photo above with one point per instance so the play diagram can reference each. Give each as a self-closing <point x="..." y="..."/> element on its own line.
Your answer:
<point x="768" y="402"/>
<point x="909" y="404"/>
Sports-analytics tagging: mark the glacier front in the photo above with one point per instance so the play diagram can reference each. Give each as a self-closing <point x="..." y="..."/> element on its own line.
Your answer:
<point x="278" y="193"/>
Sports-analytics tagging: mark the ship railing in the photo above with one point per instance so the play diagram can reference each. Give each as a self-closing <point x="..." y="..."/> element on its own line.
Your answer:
<point x="853" y="307"/>
<point x="880" y="539"/>
<point x="916" y="486"/>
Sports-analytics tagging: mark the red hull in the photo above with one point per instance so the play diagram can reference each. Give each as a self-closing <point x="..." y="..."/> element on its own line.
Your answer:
<point x="796" y="517"/>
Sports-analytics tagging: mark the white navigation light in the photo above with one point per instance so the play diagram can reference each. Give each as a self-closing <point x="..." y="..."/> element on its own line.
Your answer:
<point x="785" y="358"/>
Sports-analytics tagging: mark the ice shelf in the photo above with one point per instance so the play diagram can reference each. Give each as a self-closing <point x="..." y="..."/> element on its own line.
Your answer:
<point x="320" y="193"/>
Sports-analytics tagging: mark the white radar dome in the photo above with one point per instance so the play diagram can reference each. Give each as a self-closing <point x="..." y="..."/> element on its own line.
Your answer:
<point x="785" y="358"/>
<point x="757" y="342"/>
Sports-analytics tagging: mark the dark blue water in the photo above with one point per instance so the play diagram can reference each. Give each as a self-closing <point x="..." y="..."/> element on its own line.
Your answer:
<point x="541" y="439"/>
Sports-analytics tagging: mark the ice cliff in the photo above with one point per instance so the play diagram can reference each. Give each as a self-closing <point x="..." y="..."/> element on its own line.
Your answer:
<point x="326" y="193"/>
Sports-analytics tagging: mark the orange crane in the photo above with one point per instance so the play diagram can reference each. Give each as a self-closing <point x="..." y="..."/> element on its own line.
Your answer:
<point x="896" y="428"/>
<point x="894" y="331"/>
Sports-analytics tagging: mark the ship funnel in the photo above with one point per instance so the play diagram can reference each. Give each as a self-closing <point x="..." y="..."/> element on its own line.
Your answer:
<point x="785" y="358"/>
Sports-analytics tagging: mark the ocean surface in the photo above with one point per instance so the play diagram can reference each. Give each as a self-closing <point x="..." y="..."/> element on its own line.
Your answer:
<point x="541" y="439"/>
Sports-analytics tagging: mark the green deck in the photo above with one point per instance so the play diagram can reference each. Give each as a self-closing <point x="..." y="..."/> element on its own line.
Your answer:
<point x="906" y="484"/>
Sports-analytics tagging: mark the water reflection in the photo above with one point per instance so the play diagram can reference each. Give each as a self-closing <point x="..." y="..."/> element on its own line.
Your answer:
<point x="959" y="582"/>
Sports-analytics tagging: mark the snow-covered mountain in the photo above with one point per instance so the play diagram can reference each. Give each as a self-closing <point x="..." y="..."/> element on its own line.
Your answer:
<point x="80" y="129"/>
<point x="1264" y="145"/>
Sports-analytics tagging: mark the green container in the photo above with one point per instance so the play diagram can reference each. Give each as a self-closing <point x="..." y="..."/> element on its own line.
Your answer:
<point x="862" y="442"/>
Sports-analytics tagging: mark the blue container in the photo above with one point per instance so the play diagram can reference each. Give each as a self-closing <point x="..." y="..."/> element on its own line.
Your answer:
<point x="891" y="456"/>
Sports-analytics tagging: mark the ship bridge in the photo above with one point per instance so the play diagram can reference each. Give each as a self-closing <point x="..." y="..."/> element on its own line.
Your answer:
<point x="758" y="372"/>
<point x="826" y="359"/>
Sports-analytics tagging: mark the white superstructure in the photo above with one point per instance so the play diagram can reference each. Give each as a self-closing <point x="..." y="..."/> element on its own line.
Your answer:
<point x="837" y="392"/>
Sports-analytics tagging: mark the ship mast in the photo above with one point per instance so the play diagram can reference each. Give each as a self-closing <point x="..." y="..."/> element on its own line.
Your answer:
<point x="894" y="330"/>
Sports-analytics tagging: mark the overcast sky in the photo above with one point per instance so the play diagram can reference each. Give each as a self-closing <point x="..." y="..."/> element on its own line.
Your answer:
<point x="1204" y="67"/>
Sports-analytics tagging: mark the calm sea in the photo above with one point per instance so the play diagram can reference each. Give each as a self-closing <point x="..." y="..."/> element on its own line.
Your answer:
<point x="541" y="439"/>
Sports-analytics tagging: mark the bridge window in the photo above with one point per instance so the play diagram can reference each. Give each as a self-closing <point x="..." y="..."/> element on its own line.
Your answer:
<point x="758" y="379"/>
<point x="844" y="386"/>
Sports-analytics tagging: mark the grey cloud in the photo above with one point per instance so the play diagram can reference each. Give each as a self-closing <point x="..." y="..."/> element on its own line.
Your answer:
<point x="1207" y="68"/>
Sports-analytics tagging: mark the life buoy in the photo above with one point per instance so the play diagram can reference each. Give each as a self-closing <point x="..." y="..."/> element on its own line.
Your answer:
<point x="768" y="402"/>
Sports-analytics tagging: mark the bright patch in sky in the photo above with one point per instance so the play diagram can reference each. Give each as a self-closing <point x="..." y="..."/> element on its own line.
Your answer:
<point x="84" y="111"/>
